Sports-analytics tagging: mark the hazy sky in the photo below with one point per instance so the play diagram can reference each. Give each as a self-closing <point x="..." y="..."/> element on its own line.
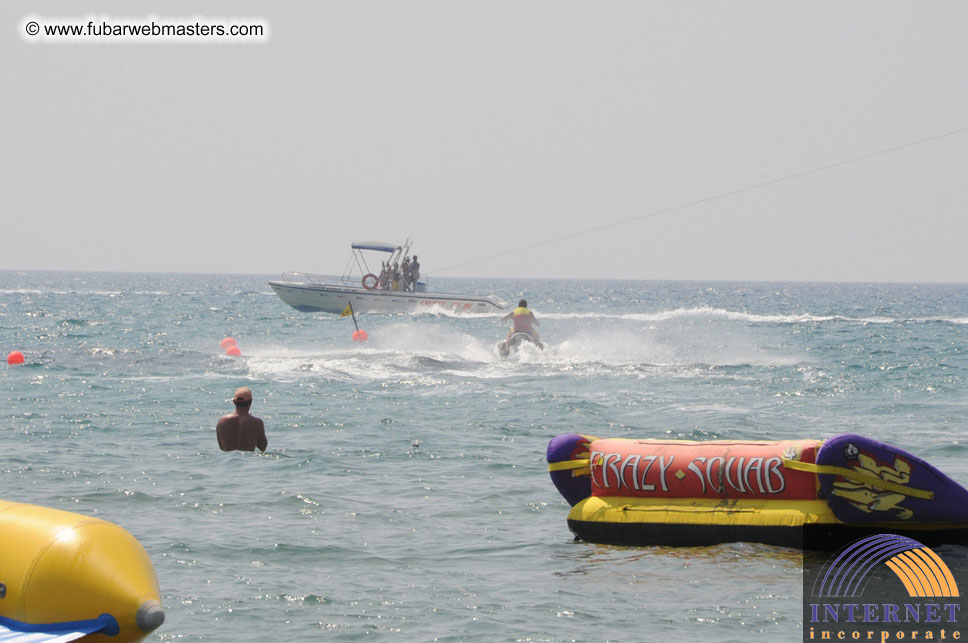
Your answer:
<point x="479" y="128"/>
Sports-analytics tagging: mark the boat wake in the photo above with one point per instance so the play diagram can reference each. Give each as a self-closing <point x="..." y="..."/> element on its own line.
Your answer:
<point x="406" y="351"/>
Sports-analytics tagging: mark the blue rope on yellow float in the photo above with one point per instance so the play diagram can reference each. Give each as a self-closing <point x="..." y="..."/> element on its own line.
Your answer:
<point x="105" y="624"/>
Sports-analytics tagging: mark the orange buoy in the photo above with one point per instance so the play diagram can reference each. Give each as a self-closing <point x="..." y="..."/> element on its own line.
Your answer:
<point x="228" y="341"/>
<point x="15" y="357"/>
<point x="233" y="351"/>
<point x="360" y="335"/>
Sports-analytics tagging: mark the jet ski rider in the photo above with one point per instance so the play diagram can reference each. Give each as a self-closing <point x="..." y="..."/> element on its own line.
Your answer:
<point x="524" y="321"/>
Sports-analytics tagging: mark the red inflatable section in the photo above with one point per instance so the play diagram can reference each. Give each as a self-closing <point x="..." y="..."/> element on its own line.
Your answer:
<point x="680" y="469"/>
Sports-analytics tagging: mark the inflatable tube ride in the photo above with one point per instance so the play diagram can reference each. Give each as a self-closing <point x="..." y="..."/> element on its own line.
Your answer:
<point x="798" y="493"/>
<point x="64" y="576"/>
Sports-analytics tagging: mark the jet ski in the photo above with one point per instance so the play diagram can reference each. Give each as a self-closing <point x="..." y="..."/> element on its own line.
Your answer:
<point x="512" y="345"/>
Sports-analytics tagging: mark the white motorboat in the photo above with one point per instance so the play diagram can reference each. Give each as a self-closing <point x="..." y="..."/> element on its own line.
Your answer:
<point x="375" y="291"/>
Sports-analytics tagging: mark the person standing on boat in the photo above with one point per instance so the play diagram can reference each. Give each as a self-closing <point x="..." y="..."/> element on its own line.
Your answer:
<point x="406" y="273"/>
<point x="240" y="431"/>
<point x="524" y="321"/>
<point x="414" y="273"/>
<point x="384" y="281"/>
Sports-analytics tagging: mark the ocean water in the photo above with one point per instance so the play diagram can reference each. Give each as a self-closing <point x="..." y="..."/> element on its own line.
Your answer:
<point x="404" y="494"/>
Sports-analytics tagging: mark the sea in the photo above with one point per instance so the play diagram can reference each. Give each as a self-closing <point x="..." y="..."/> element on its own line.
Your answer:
<point x="404" y="494"/>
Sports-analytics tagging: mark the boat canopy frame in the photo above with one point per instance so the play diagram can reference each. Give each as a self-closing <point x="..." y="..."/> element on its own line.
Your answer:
<point x="397" y="253"/>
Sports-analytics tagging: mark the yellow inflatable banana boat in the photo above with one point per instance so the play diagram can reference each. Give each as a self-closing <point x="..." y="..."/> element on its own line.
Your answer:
<point x="67" y="576"/>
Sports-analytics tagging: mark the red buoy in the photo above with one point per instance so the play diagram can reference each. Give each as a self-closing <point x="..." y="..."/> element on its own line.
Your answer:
<point x="228" y="341"/>
<point x="15" y="357"/>
<point x="360" y="335"/>
<point x="233" y="351"/>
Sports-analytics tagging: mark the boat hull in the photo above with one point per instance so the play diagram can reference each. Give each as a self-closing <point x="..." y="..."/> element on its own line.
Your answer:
<point x="334" y="299"/>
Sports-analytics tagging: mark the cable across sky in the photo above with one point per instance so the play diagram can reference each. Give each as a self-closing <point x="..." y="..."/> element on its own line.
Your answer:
<point x="715" y="197"/>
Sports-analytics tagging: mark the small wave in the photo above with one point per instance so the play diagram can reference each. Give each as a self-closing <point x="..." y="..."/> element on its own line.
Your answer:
<point x="32" y="291"/>
<point x="706" y="312"/>
<point x="21" y="291"/>
<point x="718" y="409"/>
<point x="309" y="599"/>
<point x="96" y="293"/>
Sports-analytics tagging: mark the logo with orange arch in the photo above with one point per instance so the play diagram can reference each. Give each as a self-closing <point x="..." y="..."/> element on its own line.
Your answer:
<point x="887" y="587"/>
<point x="920" y="570"/>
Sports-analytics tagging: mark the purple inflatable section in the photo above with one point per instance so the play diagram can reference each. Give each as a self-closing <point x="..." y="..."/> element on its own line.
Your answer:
<point x="891" y="485"/>
<point x="564" y="448"/>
